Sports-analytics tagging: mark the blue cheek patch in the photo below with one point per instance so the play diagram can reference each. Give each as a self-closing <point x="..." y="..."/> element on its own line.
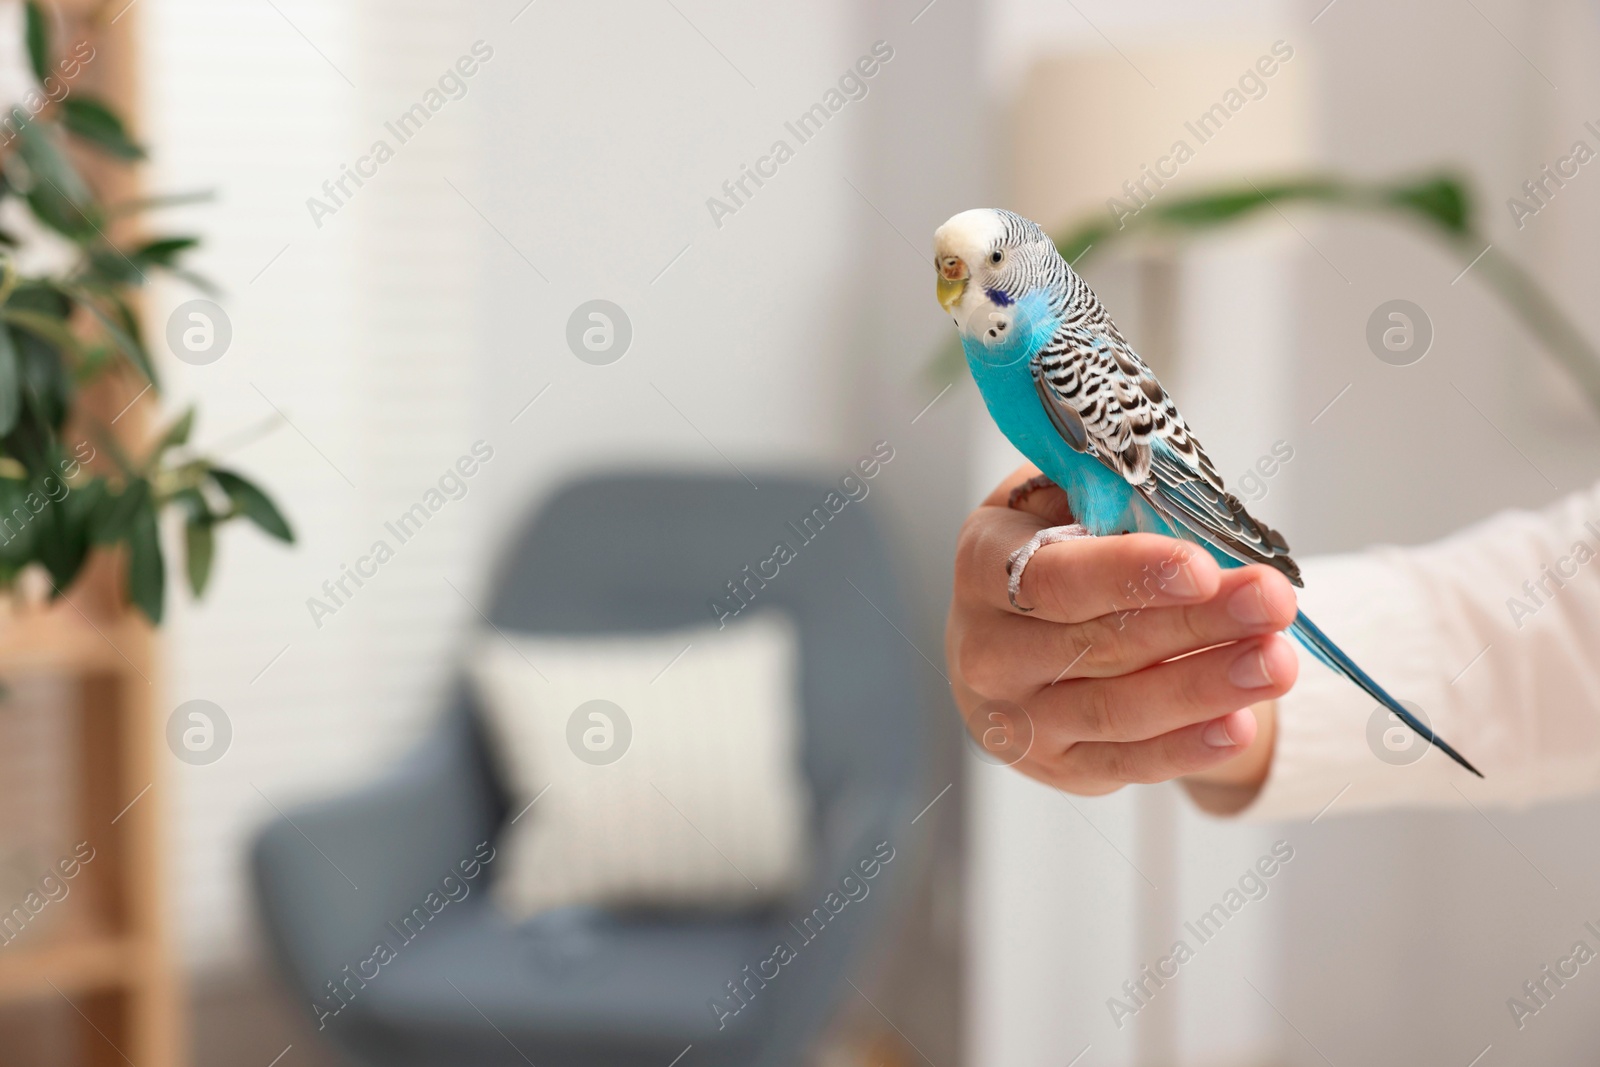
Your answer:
<point x="999" y="297"/>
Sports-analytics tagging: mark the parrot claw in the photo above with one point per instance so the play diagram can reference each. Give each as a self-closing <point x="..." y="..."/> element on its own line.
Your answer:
<point x="1050" y="535"/>
<point x="1027" y="489"/>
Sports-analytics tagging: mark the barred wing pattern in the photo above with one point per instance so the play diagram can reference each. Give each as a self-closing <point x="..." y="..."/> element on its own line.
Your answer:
<point x="1108" y="404"/>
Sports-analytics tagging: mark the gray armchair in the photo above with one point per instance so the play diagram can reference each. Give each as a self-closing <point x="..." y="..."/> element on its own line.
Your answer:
<point x="581" y="986"/>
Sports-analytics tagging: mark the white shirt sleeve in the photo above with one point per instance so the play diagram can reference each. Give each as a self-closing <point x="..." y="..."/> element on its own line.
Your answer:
<point x="1494" y="633"/>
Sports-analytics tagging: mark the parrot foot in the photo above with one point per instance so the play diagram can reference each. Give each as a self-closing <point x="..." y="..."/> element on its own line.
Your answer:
<point x="1050" y="535"/>
<point x="1027" y="489"/>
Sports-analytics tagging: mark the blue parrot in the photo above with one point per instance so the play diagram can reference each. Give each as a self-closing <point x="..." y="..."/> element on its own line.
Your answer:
<point x="1076" y="399"/>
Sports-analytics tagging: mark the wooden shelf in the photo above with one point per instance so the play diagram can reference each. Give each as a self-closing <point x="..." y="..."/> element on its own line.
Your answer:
<point x="109" y="958"/>
<point x="58" y="640"/>
<point x="108" y="954"/>
<point x="68" y="964"/>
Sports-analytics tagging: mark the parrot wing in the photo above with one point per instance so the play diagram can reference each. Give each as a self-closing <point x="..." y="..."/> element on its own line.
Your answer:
<point x="1106" y="402"/>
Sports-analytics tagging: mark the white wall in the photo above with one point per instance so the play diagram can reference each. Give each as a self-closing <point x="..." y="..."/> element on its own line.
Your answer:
<point x="407" y="326"/>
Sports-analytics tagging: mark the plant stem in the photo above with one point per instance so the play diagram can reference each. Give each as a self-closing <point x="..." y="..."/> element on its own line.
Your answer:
<point x="1541" y="315"/>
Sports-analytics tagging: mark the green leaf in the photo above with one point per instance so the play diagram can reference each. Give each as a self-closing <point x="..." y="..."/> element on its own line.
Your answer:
<point x="175" y="434"/>
<point x="37" y="31"/>
<point x="163" y="251"/>
<point x="47" y="389"/>
<point x="41" y="296"/>
<point x="125" y="337"/>
<point x="1227" y="205"/>
<point x="253" y="504"/>
<point x="142" y="204"/>
<point x="113" y="521"/>
<point x="29" y="442"/>
<point x="10" y="383"/>
<point x="1211" y="210"/>
<point x="64" y="523"/>
<point x="59" y="213"/>
<point x="178" y="432"/>
<point x="96" y="123"/>
<point x="147" y="573"/>
<point x="47" y="164"/>
<point x="17" y="529"/>
<point x="45" y="327"/>
<point x="1074" y="245"/>
<point x="199" y="543"/>
<point x="194" y="504"/>
<point x="113" y="267"/>
<point x="1443" y="201"/>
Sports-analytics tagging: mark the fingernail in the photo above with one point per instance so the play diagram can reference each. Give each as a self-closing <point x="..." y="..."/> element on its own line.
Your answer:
<point x="1216" y="734"/>
<point x="1249" y="671"/>
<point x="1249" y="606"/>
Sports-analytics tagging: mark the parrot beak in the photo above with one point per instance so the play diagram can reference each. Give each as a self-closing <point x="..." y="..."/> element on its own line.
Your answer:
<point x="952" y="281"/>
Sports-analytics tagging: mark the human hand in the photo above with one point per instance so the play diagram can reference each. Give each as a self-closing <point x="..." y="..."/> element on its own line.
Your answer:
<point x="1138" y="663"/>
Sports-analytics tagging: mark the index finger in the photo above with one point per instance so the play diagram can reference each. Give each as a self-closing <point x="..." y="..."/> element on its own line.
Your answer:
<point x="1075" y="581"/>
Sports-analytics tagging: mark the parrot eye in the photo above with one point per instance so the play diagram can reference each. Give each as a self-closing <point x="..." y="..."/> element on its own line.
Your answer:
<point x="996" y="256"/>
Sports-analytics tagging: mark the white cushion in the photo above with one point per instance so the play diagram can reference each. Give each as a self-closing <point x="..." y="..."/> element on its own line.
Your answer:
<point x="705" y="805"/>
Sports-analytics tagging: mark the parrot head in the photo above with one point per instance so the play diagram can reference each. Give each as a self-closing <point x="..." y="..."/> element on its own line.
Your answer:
<point x="991" y="266"/>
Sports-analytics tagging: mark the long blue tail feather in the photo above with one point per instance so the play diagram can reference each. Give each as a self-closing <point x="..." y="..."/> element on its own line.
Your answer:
<point x="1322" y="647"/>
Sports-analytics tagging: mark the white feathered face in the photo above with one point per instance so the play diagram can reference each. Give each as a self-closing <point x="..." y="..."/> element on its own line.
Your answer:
<point x="986" y="261"/>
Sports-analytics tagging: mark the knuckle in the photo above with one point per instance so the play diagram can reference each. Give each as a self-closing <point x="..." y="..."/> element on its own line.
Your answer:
<point x="1096" y="708"/>
<point x="1124" y="765"/>
<point x="1093" y="646"/>
<point x="967" y="549"/>
<point x="1049" y="581"/>
<point x="975" y="662"/>
<point x="1084" y="649"/>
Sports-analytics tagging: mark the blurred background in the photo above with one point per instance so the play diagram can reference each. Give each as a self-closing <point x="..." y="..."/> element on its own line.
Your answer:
<point x="576" y="345"/>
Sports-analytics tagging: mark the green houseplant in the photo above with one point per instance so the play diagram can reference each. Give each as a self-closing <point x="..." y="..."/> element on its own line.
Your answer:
<point x="66" y="331"/>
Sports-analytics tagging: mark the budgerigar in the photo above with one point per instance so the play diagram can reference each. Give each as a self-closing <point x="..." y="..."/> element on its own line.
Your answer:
<point x="1074" y="397"/>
